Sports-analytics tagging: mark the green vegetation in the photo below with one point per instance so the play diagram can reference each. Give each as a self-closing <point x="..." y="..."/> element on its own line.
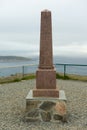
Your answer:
<point x="29" y="77"/>
<point x="17" y="80"/>
<point x="60" y="76"/>
<point x="71" y="77"/>
<point x="19" y="77"/>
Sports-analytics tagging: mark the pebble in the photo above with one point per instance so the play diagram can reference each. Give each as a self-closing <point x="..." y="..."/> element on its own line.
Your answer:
<point x="13" y="104"/>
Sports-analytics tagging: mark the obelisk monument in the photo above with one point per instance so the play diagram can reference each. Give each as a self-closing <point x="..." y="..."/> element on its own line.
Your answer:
<point x="45" y="96"/>
<point x="46" y="74"/>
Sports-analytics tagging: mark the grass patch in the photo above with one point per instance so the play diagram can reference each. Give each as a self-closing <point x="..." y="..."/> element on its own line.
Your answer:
<point x="61" y="76"/>
<point x="71" y="77"/>
<point x="29" y="77"/>
<point x="18" y="78"/>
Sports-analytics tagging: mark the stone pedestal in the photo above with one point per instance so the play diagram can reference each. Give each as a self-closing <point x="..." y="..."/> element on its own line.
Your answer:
<point x="46" y="108"/>
<point x="45" y="83"/>
<point x="33" y="102"/>
<point x="46" y="79"/>
<point x="45" y="93"/>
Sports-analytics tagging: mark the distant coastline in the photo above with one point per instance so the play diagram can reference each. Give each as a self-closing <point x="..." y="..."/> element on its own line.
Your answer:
<point x="13" y="58"/>
<point x="8" y="65"/>
<point x="35" y="59"/>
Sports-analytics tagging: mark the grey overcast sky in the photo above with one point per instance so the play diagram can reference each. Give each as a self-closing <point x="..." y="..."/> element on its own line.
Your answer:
<point x="20" y="26"/>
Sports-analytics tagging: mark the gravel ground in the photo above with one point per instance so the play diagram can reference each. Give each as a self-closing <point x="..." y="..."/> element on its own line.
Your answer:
<point x="13" y="104"/>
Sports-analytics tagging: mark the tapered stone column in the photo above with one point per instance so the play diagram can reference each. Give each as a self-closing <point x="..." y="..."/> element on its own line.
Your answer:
<point x="46" y="55"/>
<point x="46" y="74"/>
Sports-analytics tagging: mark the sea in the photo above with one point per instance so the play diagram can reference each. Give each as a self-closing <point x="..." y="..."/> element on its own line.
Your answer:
<point x="75" y="66"/>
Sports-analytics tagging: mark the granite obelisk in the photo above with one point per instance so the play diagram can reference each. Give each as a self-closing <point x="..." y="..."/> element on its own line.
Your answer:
<point x="46" y="74"/>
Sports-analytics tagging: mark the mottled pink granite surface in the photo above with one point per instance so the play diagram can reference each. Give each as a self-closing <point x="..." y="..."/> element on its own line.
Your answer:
<point x="46" y="74"/>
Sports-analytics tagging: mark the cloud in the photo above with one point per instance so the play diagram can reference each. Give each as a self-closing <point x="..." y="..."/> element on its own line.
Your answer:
<point x="74" y="50"/>
<point x="20" y="25"/>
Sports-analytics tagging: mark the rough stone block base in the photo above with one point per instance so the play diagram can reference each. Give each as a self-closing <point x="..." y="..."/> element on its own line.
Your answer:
<point x="45" y="93"/>
<point x="46" y="109"/>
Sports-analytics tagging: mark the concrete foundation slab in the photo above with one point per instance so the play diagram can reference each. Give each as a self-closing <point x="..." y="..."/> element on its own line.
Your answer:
<point x="32" y="102"/>
<point x="61" y="96"/>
